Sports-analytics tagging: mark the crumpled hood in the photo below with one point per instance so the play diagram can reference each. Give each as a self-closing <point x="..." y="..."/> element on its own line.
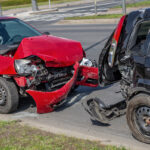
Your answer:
<point x="53" y="50"/>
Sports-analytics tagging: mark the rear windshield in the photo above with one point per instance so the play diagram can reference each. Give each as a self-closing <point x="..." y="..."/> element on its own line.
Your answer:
<point x="12" y="31"/>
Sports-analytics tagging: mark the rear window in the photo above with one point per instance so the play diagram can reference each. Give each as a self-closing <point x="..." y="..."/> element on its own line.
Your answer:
<point x="140" y="40"/>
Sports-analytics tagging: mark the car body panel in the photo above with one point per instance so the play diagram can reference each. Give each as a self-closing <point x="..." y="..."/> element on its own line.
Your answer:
<point x="56" y="52"/>
<point x="7" y="65"/>
<point x="6" y="17"/>
<point x="88" y="74"/>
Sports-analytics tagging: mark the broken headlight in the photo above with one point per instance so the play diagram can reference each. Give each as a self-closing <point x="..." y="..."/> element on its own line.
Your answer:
<point x="112" y="52"/>
<point x="86" y="62"/>
<point x="24" y="67"/>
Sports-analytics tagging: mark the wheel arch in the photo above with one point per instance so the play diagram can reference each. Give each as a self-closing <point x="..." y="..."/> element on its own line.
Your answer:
<point x="137" y="91"/>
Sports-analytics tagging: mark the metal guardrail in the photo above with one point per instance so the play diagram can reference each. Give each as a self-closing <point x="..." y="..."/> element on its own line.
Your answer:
<point x="113" y="3"/>
<point x="106" y="4"/>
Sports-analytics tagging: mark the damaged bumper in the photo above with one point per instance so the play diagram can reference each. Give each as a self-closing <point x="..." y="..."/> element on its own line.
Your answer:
<point x="45" y="101"/>
<point x="88" y="76"/>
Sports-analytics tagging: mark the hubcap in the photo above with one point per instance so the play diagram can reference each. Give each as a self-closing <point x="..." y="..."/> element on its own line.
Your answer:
<point x="3" y="96"/>
<point x="143" y="119"/>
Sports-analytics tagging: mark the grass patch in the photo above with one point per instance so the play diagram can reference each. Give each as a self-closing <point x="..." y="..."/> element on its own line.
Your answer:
<point x="6" y="3"/>
<point x="14" y="136"/>
<point x="12" y="4"/>
<point x="137" y="4"/>
<point x="107" y="16"/>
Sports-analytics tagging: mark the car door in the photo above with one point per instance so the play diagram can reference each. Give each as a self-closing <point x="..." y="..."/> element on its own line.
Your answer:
<point x="108" y="69"/>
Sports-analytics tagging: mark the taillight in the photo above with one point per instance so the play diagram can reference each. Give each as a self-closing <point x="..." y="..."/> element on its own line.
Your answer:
<point x="115" y="40"/>
<point x="112" y="52"/>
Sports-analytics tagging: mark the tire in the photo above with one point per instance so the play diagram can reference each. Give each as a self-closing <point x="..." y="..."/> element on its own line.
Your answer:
<point x="9" y="97"/>
<point x="138" y="107"/>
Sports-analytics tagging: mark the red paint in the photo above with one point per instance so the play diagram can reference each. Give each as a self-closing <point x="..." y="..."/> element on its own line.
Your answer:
<point x="55" y="51"/>
<point x="21" y="81"/>
<point x="46" y="100"/>
<point x="6" y="18"/>
<point x="119" y="29"/>
<point x="7" y="65"/>
<point x="88" y="73"/>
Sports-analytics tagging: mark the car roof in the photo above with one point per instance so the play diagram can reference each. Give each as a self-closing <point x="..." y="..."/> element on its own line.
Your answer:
<point x="6" y="17"/>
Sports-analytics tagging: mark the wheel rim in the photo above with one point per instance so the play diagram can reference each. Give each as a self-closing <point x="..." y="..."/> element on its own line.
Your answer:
<point x="142" y="119"/>
<point x="3" y="96"/>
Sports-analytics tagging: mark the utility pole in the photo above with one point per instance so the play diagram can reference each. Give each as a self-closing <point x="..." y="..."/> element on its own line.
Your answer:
<point x="95" y="3"/>
<point x="34" y="5"/>
<point x="49" y="3"/>
<point x="124" y="6"/>
<point x="0" y="10"/>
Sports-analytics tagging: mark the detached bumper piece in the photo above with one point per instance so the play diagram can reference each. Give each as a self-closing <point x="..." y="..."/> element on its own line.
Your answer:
<point x="88" y="76"/>
<point x="45" y="101"/>
<point x="104" y="113"/>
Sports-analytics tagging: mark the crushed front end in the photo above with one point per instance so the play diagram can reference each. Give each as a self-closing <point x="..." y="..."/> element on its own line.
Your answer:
<point x="49" y="86"/>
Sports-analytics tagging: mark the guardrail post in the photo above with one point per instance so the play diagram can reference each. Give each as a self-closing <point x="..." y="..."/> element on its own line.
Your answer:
<point x="34" y="5"/>
<point x="0" y="10"/>
<point x="124" y="6"/>
<point x="95" y="3"/>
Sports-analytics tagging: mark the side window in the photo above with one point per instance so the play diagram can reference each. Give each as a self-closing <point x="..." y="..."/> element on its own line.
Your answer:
<point x="139" y="40"/>
<point x="143" y="32"/>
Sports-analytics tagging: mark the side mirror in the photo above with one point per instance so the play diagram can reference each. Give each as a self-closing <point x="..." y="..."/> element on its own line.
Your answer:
<point x="46" y="33"/>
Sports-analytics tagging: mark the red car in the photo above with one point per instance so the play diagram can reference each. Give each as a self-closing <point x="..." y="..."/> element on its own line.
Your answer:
<point x="42" y="66"/>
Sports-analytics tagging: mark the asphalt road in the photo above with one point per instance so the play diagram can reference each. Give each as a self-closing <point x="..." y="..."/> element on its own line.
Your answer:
<point x="72" y="119"/>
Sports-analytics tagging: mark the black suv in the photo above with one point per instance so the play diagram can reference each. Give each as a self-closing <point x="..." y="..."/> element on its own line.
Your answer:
<point x="126" y="58"/>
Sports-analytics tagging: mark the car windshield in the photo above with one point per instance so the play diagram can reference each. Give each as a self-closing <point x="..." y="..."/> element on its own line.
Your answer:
<point x="12" y="31"/>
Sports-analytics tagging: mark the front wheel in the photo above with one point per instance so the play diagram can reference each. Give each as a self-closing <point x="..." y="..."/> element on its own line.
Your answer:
<point x="8" y="96"/>
<point x="138" y="117"/>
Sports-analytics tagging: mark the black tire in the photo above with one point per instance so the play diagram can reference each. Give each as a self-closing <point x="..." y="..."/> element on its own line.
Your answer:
<point x="138" y="102"/>
<point x="9" y="97"/>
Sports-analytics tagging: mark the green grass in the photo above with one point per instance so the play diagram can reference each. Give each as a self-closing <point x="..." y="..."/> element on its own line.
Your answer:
<point x="6" y="3"/>
<point x="107" y="16"/>
<point x="12" y="4"/>
<point x="137" y="4"/>
<point x="14" y="136"/>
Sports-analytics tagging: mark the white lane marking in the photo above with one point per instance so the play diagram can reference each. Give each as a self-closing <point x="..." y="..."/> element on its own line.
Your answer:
<point x="73" y="99"/>
<point x="20" y="115"/>
<point x="76" y="100"/>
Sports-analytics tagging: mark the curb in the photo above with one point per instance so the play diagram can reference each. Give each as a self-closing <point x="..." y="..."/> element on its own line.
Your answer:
<point x="43" y="11"/>
<point x="87" y="21"/>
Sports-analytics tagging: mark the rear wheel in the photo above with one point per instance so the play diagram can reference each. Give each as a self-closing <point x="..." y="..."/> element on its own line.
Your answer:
<point x="8" y="96"/>
<point x="138" y="117"/>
